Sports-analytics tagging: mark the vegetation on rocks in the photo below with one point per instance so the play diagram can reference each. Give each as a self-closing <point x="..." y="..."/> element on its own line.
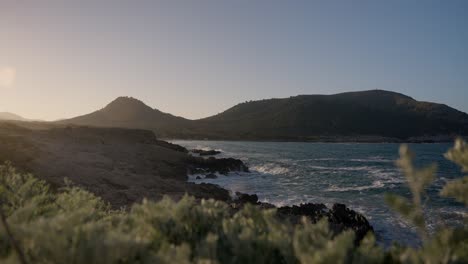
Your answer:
<point x="74" y="226"/>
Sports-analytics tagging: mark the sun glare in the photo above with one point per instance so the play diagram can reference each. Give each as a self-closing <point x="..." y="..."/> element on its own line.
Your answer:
<point x="7" y="76"/>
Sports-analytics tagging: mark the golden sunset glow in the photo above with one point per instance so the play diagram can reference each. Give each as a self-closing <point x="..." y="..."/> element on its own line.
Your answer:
<point x="7" y="76"/>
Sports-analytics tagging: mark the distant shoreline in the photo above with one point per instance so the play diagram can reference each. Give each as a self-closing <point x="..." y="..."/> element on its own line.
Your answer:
<point x="305" y="139"/>
<point x="338" y="141"/>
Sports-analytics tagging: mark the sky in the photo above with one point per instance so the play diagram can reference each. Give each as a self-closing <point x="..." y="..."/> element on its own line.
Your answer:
<point x="60" y="59"/>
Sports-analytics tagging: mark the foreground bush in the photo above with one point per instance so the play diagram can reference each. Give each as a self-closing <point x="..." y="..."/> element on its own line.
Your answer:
<point x="74" y="226"/>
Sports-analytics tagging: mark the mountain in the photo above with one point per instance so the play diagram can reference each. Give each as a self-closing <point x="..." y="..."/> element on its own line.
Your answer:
<point x="377" y="115"/>
<point x="128" y="112"/>
<point x="11" y="116"/>
<point x="368" y="113"/>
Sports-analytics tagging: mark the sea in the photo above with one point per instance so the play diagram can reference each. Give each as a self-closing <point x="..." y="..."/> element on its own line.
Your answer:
<point x="356" y="174"/>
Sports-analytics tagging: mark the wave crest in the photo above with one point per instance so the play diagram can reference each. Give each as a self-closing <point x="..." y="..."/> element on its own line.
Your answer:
<point x="270" y="168"/>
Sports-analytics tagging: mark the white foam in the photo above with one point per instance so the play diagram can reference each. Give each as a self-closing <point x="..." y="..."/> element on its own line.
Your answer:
<point x="318" y="159"/>
<point x="347" y="168"/>
<point x="206" y="148"/>
<point x="374" y="185"/>
<point x="363" y="160"/>
<point x="371" y="160"/>
<point x="270" y="168"/>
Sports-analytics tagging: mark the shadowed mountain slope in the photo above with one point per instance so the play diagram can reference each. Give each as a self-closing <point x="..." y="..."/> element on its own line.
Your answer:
<point x="128" y="112"/>
<point x="378" y="114"/>
<point x="11" y="116"/>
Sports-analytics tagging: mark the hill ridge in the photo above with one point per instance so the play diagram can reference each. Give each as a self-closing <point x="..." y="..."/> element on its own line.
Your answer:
<point x="377" y="113"/>
<point x="11" y="116"/>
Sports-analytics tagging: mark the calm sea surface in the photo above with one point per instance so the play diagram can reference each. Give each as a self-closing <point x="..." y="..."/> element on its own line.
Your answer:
<point x="357" y="175"/>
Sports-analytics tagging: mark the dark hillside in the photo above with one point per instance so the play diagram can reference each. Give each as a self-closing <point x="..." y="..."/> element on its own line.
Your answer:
<point x="356" y="116"/>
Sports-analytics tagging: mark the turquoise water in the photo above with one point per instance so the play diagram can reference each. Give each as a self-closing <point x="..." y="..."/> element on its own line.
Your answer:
<point x="357" y="175"/>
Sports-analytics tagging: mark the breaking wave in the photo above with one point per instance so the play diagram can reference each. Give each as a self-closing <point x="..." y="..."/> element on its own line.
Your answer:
<point x="357" y="175"/>
<point x="374" y="185"/>
<point x="270" y="168"/>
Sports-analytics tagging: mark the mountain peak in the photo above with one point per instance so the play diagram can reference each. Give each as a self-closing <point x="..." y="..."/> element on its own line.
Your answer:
<point x="127" y="105"/>
<point x="378" y="113"/>
<point x="126" y="101"/>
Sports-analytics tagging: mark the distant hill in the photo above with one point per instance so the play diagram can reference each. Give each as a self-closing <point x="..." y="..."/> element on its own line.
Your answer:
<point x="128" y="112"/>
<point x="11" y="116"/>
<point x="376" y="115"/>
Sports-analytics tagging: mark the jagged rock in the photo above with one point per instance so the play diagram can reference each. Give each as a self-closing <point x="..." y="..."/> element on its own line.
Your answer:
<point x="342" y="218"/>
<point x="202" y="152"/>
<point x="212" y="165"/>
<point x="339" y="217"/>
<point x="243" y="198"/>
<point x="198" y="178"/>
<point x="208" y="191"/>
<point x="313" y="211"/>
<point x="171" y="146"/>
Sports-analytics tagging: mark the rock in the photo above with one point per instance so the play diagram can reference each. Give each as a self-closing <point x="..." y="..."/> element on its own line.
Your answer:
<point x="208" y="191"/>
<point x="171" y="146"/>
<point x="198" y="178"/>
<point x="202" y="152"/>
<point x="211" y="176"/>
<point x="244" y="198"/>
<point x="212" y="165"/>
<point x="342" y="218"/>
<point x="314" y="212"/>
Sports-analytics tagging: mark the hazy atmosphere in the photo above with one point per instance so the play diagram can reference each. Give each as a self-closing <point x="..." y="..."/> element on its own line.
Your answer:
<point x="60" y="59"/>
<point x="233" y="132"/>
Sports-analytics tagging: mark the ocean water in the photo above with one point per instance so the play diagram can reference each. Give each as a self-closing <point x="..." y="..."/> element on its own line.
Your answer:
<point x="355" y="174"/>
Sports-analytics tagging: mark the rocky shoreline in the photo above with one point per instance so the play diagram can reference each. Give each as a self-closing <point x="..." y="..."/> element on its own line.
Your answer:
<point x="336" y="139"/>
<point x="339" y="217"/>
<point x="123" y="166"/>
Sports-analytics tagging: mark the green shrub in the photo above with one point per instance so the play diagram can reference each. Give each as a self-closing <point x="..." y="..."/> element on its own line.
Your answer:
<point x="74" y="226"/>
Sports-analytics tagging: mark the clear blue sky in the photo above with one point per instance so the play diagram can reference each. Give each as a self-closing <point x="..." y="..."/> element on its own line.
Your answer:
<point x="196" y="58"/>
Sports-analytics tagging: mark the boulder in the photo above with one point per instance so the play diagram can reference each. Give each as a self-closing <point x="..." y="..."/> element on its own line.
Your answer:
<point x="244" y="198"/>
<point x="342" y="218"/>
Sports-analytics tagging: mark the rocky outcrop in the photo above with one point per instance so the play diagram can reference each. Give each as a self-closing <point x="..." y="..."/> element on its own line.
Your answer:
<point x="123" y="166"/>
<point x="171" y="146"/>
<point x="202" y="152"/>
<point x="340" y="218"/>
<point x="120" y="165"/>
<point x="208" y="191"/>
<point x="199" y="165"/>
<point x="314" y="212"/>
<point x="244" y="198"/>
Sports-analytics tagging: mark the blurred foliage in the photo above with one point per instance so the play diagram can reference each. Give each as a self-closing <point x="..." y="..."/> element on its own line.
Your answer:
<point x="74" y="226"/>
<point x="418" y="180"/>
<point x="458" y="189"/>
<point x="447" y="245"/>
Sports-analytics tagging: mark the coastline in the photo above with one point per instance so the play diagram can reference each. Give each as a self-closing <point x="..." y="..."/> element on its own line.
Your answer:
<point x="364" y="140"/>
<point x="427" y="139"/>
<point x="124" y="166"/>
